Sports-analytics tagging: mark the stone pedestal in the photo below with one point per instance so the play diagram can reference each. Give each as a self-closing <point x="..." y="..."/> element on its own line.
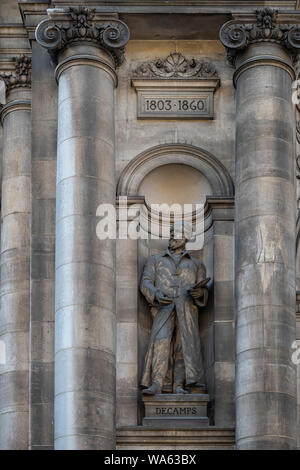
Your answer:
<point x="167" y="410"/>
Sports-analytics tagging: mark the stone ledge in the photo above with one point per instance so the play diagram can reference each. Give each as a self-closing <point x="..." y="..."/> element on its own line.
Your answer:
<point x="139" y="437"/>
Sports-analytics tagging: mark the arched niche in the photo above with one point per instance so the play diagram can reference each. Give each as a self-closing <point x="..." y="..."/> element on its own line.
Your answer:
<point x="175" y="183"/>
<point x="143" y="178"/>
<point x="209" y="166"/>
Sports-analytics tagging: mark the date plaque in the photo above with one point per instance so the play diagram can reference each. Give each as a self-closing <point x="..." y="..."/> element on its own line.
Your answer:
<point x="175" y="99"/>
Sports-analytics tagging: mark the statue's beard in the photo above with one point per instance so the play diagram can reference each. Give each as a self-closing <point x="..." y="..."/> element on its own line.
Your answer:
<point x="175" y="245"/>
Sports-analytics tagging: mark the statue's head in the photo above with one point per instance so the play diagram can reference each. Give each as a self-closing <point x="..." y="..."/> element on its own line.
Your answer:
<point x="180" y="233"/>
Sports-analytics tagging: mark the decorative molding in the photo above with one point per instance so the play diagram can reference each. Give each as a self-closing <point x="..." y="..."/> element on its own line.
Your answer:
<point x="236" y="35"/>
<point x="175" y="65"/>
<point x="136" y="170"/>
<point x="139" y="437"/>
<point x="75" y="24"/>
<point x="14" y="31"/>
<point x="86" y="59"/>
<point x="180" y="6"/>
<point x="21" y="76"/>
<point x="130" y="201"/>
<point x="175" y="87"/>
<point x="15" y="105"/>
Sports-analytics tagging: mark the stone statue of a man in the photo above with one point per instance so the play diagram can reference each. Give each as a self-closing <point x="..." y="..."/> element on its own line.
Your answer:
<point x="173" y="283"/>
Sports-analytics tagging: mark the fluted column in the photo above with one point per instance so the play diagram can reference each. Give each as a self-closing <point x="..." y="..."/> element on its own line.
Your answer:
<point x="87" y="49"/>
<point x="15" y="257"/>
<point x="262" y="51"/>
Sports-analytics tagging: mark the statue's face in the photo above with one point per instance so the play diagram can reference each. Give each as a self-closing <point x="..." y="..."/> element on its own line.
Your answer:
<point x="177" y="239"/>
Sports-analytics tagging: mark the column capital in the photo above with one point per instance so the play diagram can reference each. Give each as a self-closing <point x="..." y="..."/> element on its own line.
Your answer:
<point x="265" y="25"/>
<point x="15" y="87"/>
<point x="20" y="77"/>
<point x="80" y="24"/>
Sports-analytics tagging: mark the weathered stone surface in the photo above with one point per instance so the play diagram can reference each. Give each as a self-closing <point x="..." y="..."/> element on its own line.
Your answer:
<point x="265" y="242"/>
<point x="174" y="410"/>
<point x="146" y="438"/>
<point x="43" y="189"/>
<point x="265" y="220"/>
<point x="15" y="269"/>
<point x="85" y="322"/>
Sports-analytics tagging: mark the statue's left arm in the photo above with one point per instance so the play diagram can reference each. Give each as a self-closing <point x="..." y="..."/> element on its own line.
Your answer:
<point x="201" y="301"/>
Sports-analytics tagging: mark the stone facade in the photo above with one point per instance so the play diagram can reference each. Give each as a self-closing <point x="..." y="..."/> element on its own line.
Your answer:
<point x="158" y="102"/>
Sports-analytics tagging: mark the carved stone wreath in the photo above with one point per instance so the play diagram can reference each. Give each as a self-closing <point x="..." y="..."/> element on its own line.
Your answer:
<point x="175" y="65"/>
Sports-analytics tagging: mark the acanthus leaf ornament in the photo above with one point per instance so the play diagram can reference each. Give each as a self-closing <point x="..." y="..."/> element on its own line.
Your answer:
<point x="82" y="25"/>
<point x="236" y="35"/>
<point x="175" y="65"/>
<point x="21" y="76"/>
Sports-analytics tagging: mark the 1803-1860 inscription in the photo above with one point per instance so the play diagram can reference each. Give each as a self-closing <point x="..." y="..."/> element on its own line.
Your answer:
<point x="175" y="88"/>
<point x="174" y="105"/>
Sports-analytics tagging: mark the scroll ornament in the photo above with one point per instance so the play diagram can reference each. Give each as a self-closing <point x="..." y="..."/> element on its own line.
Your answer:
<point x="236" y="36"/>
<point x="111" y="34"/>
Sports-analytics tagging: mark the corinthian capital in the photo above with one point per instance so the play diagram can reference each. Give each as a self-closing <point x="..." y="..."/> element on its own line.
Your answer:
<point x="74" y="24"/>
<point x="20" y="77"/>
<point x="236" y="35"/>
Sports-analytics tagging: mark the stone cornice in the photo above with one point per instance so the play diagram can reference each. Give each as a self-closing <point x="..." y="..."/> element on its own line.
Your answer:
<point x="76" y="24"/>
<point x="190" y="6"/>
<point x="12" y="31"/>
<point x="20" y="77"/>
<point x="266" y="26"/>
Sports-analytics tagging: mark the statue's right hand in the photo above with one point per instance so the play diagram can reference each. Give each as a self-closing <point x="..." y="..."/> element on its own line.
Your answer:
<point x="162" y="299"/>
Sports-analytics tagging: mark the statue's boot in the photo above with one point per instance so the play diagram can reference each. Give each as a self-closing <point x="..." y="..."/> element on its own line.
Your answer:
<point x="179" y="389"/>
<point x="153" y="390"/>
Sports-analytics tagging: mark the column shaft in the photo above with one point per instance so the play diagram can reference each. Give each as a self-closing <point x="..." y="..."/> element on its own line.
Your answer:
<point x="265" y="250"/>
<point x="15" y="270"/>
<point x="85" y="266"/>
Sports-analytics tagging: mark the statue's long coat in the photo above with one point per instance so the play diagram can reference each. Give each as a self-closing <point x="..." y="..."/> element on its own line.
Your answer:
<point x="161" y="273"/>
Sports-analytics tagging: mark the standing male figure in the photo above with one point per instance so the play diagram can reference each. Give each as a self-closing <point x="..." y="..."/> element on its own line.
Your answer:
<point x="173" y="283"/>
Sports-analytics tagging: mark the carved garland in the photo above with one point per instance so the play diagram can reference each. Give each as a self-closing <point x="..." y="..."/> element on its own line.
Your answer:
<point x="21" y="76"/>
<point x="175" y="66"/>
<point x="236" y="36"/>
<point x="111" y="34"/>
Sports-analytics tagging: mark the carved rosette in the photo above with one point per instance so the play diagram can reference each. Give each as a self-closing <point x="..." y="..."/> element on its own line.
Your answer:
<point x="55" y="34"/>
<point x="175" y="66"/>
<point x="236" y="36"/>
<point x="21" y="76"/>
